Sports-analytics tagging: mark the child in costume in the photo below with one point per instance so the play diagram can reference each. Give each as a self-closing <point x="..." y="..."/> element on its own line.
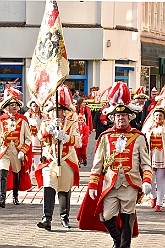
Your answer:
<point x="84" y="133"/>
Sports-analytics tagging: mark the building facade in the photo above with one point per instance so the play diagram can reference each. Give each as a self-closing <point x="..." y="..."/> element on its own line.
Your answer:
<point x="153" y="45"/>
<point x="105" y="41"/>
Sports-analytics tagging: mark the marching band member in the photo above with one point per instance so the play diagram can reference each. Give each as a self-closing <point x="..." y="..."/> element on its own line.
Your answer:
<point x="156" y="139"/>
<point x="121" y="154"/>
<point x="15" y="148"/>
<point x="35" y="118"/>
<point x="149" y="104"/>
<point x="53" y="176"/>
<point x="140" y="98"/>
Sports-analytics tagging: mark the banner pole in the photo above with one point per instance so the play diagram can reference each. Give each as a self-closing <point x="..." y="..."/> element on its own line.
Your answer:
<point x="58" y="141"/>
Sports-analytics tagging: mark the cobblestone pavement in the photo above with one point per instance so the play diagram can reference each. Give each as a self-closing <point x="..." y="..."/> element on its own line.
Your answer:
<point x="18" y="223"/>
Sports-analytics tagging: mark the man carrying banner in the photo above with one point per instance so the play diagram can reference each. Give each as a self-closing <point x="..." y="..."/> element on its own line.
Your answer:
<point x="121" y="155"/>
<point x="59" y="177"/>
<point x="49" y="69"/>
<point x="15" y="148"/>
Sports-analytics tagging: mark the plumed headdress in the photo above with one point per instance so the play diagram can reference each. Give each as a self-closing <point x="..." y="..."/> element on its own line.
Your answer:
<point x="11" y="95"/>
<point x="103" y="93"/>
<point x="154" y="90"/>
<point x="120" y="101"/>
<point x="140" y="93"/>
<point x="65" y="98"/>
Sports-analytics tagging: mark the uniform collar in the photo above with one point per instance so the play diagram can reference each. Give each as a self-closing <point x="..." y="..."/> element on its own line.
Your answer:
<point x="128" y="129"/>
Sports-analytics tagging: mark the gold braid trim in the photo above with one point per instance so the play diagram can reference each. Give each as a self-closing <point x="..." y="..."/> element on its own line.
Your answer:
<point x="5" y="135"/>
<point x="110" y="160"/>
<point x="94" y="179"/>
<point x="24" y="148"/>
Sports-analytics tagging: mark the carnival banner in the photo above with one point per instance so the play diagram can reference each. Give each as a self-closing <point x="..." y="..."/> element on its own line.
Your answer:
<point x="49" y="66"/>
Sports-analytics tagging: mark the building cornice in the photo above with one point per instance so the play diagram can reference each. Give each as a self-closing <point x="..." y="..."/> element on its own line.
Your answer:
<point x="64" y="25"/>
<point x="149" y="38"/>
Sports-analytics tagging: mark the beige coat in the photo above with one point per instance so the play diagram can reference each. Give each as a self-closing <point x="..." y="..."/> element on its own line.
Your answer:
<point x="35" y="120"/>
<point x="13" y="141"/>
<point x="61" y="177"/>
<point x="136" y="155"/>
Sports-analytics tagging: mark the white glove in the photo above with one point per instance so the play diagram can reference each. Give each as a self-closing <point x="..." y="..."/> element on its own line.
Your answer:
<point x="92" y="193"/>
<point x="146" y="188"/>
<point x="58" y="134"/>
<point x="20" y="155"/>
<point x="53" y="125"/>
<point x="50" y="129"/>
<point x="57" y="122"/>
<point x="65" y="138"/>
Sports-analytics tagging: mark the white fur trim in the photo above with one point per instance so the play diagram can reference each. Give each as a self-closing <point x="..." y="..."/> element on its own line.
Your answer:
<point x="134" y="107"/>
<point x="108" y="110"/>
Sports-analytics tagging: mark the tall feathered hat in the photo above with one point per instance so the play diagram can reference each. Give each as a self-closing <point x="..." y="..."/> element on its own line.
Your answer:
<point x="140" y="93"/>
<point x="120" y="101"/>
<point x="11" y="95"/>
<point x="65" y="100"/>
<point x="106" y="97"/>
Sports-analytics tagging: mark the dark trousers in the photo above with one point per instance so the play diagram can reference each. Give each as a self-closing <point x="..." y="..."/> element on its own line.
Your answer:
<point x="64" y="204"/>
<point x="49" y="201"/>
<point x="3" y="186"/>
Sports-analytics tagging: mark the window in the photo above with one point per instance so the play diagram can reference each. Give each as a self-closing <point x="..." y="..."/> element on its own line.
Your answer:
<point x="10" y="74"/>
<point x="77" y="67"/>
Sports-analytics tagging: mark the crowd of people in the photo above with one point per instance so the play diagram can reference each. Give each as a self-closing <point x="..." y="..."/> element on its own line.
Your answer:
<point x="51" y="143"/>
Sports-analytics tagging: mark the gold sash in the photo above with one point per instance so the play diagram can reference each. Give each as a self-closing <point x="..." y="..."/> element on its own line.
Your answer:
<point x="5" y="135"/>
<point x="110" y="160"/>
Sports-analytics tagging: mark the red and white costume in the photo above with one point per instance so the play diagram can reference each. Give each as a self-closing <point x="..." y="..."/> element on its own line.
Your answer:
<point x="68" y="159"/>
<point x="84" y="133"/>
<point x="123" y="172"/>
<point x="86" y="112"/>
<point x="156" y="140"/>
<point x="35" y="120"/>
<point x="15" y="137"/>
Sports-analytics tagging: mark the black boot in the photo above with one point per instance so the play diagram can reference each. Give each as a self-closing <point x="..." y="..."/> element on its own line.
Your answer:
<point x="45" y="223"/>
<point x="85" y="162"/>
<point x="113" y="229"/>
<point x="48" y="207"/>
<point x="64" y="207"/>
<point x="127" y="226"/>
<point x="3" y="184"/>
<point x="15" y="188"/>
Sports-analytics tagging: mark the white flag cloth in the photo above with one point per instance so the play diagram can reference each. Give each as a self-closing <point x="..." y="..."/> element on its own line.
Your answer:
<point x="49" y="66"/>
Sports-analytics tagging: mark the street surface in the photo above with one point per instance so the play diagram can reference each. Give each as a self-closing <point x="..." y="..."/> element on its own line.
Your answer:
<point x="18" y="223"/>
